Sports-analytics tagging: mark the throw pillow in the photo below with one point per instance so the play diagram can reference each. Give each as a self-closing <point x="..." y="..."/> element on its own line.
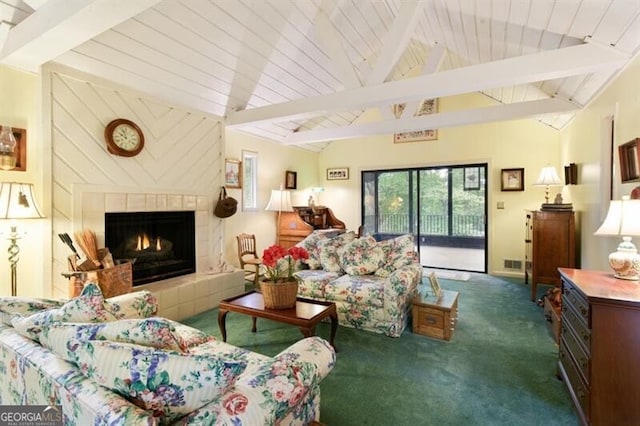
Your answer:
<point x="12" y="306"/>
<point x="62" y="338"/>
<point x="361" y="256"/>
<point x="88" y="307"/>
<point x="398" y="252"/>
<point x="168" y="383"/>
<point x="310" y="243"/>
<point x="329" y="249"/>
<point x="139" y="304"/>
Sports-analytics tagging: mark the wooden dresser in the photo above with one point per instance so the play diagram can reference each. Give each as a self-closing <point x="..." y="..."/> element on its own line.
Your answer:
<point x="550" y="243"/>
<point x="296" y="225"/>
<point x="600" y="346"/>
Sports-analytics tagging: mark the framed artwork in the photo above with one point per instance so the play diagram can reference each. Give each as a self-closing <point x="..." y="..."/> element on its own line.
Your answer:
<point x="428" y="106"/>
<point x="232" y="173"/>
<point x="290" y="180"/>
<point x="629" y="156"/>
<point x="19" y="151"/>
<point x="338" y="173"/>
<point x="471" y="178"/>
<point x="512" y="180"/>
<point x="250" y="180"/>
<point x="435" y="285"/>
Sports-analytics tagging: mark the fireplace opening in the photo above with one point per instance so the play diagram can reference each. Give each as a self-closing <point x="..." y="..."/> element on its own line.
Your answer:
<point x="160" y="244"/>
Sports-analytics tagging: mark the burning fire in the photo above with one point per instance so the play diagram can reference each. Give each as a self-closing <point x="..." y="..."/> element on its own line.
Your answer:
<point x="144" y="242"/>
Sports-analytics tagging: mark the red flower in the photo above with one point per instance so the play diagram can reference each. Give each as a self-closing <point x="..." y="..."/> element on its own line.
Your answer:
<point x="274" y="257"/>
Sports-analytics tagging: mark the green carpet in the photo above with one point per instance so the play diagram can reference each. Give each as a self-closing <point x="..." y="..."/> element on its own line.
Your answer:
<point x="498" y="369"/>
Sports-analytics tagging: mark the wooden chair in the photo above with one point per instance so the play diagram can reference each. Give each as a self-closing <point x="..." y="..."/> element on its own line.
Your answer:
<point x="248" y="257"/>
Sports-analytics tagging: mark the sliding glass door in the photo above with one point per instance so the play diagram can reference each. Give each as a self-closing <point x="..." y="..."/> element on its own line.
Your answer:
<point x="444" y="207"/>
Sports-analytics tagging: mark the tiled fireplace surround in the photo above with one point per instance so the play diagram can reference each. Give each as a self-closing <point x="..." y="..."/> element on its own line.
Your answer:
<point x="178" y="297"/>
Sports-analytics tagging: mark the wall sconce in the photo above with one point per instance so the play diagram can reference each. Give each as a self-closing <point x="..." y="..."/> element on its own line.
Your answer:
<point x="8" y="158"/>
<point x="571" y="174"/>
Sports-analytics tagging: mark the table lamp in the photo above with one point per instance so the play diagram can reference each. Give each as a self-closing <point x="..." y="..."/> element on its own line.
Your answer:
<point x="280" y="201"/>
<point x="548" y="177"/>
<point x="17" y="202"/>
<point x="623" y="219"/>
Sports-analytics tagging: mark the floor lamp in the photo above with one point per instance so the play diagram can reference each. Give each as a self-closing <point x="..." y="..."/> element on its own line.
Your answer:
<point x="280" y="201"/>
<point x="17" y="202"/>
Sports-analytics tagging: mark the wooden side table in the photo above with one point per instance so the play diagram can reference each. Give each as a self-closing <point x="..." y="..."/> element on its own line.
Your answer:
<point x="436" y="318"/>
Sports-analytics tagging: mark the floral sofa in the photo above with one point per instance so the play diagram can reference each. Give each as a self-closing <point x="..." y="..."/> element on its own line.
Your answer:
<point x="372" y="283"/>
<point x="109" y="361"/>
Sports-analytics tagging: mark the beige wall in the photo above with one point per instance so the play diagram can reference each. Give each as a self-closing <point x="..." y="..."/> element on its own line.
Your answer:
<point x="273" y="161"/>
<point x="19" y="107"/>
<point x="587" y="143"/>
<point x="511" y="144"/>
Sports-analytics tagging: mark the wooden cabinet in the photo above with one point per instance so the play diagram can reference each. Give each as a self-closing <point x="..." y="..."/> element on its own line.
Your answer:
<point x="296" y="225"/>
<point x="436" y="318"/>
<point x="600" y="346"/>
<point x="550" y="243"/>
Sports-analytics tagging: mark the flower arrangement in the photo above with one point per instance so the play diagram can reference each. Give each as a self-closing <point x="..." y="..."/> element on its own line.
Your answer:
<point x="281" y="263"/>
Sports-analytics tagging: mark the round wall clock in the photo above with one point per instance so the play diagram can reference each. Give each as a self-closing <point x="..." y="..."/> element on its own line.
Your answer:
<point x="124" y="137"/>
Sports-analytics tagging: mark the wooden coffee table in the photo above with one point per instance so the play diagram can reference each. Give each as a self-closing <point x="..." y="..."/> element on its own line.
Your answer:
<point x="306" y="314"/>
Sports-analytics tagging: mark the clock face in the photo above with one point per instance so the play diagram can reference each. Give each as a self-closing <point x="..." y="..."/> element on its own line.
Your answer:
<point x="124" y="138"/>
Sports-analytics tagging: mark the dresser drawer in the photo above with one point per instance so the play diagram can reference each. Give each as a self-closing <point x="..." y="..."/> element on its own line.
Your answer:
<point x="575" y="321"/>
<point x="429" y="322"/>
<point x="577" y="387"/>
<point x="571" y="296"/>
<point x="581" y="357"/>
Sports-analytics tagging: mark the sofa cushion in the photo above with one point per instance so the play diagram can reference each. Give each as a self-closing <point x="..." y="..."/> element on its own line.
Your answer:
<point x="310" y="243"/>
<point x="361" y="256"/>
<point x="311" y="283"/>
<point x="62" y="338"/>
<point x="329" y="251"/>
<point x="170" y="384"/>
<point x="366" y="290"/>
<point x="88" y="307"/>
<point x="398" y="252"/>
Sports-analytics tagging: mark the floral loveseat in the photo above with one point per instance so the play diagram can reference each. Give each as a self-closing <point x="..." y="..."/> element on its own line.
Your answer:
<point x="111" y="362"/>
<point x="371" y="282"/>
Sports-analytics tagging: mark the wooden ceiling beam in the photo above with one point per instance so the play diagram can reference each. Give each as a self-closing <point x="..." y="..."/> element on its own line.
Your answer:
<point x="434" y="121"/>
<point x="559" y="63"/>
<point x="58" y="26"/>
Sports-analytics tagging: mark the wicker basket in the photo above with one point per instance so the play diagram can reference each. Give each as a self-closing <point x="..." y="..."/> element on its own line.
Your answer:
<point x="112" y="281"/>
<point x="280" y="295"/>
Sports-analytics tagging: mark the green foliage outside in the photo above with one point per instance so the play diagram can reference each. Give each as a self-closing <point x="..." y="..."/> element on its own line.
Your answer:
<point x="397" y="201"/>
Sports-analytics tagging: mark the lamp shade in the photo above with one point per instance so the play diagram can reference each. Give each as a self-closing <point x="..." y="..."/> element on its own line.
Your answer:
<point x="17" y="201"/>
<point x="623" y="218"/>
<point x="548" y="176"/>
<point x="280" y="201"/>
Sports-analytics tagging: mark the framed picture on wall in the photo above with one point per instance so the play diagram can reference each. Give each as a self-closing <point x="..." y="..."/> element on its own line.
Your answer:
<point x="232" y="173"/>
<point x="338" y="173"/>
<point x="290" y="180"/>
<point x="512" y="180"/>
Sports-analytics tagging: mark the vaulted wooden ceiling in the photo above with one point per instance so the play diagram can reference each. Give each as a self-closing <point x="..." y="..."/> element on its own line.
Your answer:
<point x="302" y="71"/>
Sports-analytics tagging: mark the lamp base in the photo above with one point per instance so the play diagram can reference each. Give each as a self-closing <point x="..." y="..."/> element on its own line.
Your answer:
<point x="625" y="262"/>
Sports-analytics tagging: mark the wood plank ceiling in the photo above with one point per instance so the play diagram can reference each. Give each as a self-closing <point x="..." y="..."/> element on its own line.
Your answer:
<point x="302" y="71"/>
